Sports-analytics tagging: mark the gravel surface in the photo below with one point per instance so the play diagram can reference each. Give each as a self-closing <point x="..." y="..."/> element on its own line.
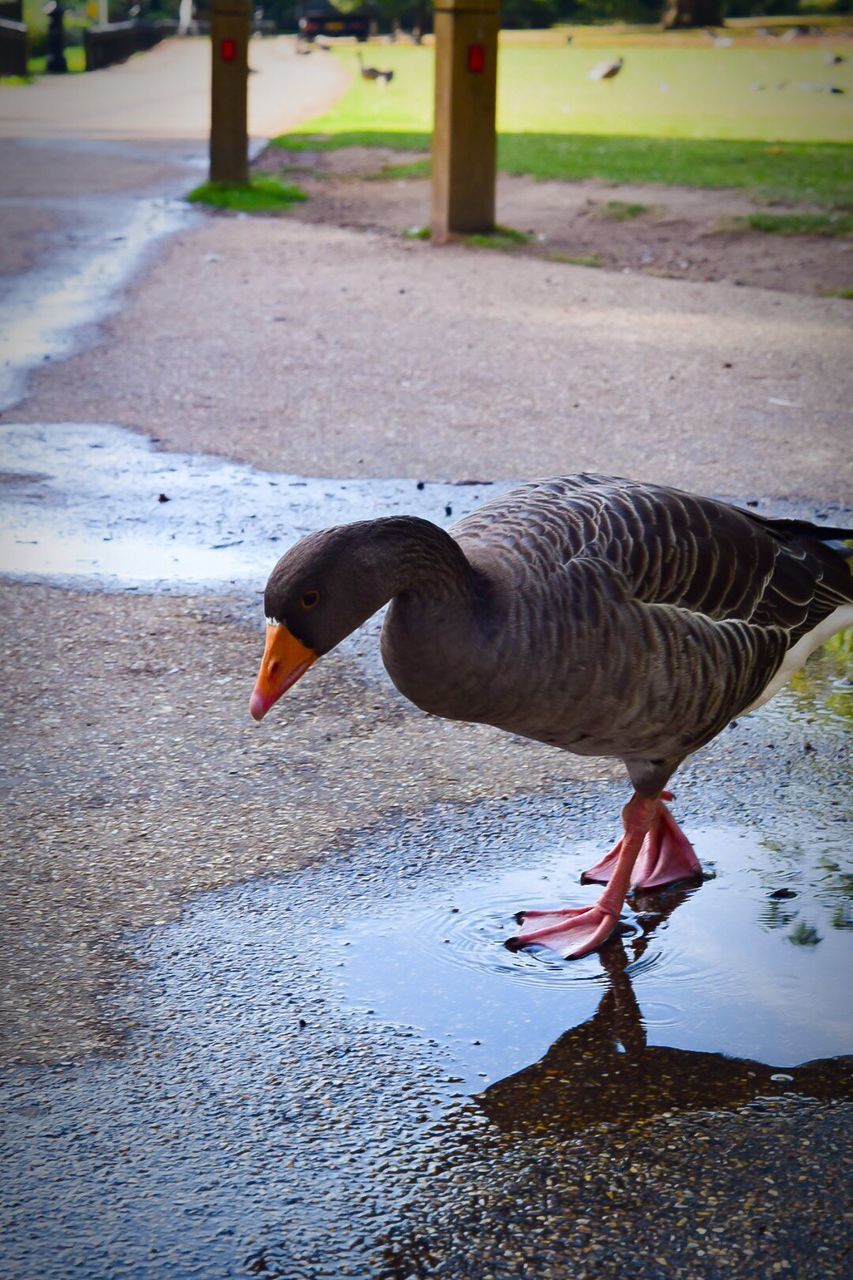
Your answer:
<point x="327" y="352"/>
<point x="136" y="778"/>
<point x="191" y="1098"/>
<point x="757" y="1193"/>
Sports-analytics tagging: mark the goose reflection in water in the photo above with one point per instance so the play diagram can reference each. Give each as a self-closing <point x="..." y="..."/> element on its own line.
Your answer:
<point x="604" y="1069"/>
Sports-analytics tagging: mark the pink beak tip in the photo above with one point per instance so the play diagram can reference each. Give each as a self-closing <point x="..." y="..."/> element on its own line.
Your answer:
<point x="258" y="706"/>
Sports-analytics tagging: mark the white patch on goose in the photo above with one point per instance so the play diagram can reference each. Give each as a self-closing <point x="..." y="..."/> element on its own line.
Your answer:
<point x="805" y="646"/>
<point x="272" y="622"/>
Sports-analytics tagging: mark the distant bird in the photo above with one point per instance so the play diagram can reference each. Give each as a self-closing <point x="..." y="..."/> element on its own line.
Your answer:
<point x="373" y="73"/>
<point x="833" y="59"/>
<point x="810" y="87"/>
<point x="606" y="70"/>
<point x="601" y="616"/>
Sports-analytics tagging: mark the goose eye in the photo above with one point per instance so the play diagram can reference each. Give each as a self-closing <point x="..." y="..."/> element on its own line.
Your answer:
<point x="310" y="599"/>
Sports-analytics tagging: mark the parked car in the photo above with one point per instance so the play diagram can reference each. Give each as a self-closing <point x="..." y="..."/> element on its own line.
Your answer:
<point x="326" y="20"/>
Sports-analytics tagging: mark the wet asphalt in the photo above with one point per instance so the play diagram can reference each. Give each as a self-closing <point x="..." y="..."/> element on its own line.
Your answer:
<point x="341" y="1071"/>
<point x="258" y="1016"/>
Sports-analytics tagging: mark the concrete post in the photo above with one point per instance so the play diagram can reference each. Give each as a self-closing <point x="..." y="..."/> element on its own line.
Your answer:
<point x="464" y="141"/>
<point x="230" y="28"/>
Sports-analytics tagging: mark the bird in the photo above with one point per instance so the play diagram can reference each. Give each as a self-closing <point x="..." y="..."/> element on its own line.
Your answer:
<point x="373" y="73"/>
<point x="606" y="70"/>
<point x="601" y="616"/>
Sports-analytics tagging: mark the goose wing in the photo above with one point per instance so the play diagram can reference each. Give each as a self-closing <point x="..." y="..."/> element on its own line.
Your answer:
<point x="657" y="616"/>
<point x="669" y="547"/>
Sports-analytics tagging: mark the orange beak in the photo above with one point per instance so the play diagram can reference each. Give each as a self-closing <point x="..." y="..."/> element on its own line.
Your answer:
<point x="285" y="660"/>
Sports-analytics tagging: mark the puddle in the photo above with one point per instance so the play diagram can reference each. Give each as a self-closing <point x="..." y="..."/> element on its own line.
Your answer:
<point x="95" y="505"/>
<point x="726" y="969"/>
<point x="312" y="1064"/>
<point x="309" y="1068"/>
<point x="44" y="310"/>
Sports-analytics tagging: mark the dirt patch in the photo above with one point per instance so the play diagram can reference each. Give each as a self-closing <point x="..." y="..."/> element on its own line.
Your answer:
<point x="685" y="233"/>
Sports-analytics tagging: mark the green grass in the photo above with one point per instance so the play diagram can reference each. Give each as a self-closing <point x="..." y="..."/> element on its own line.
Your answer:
<point x="75" y="58"/>
<point x="501" y="238"/>
<point x="820" y="172"/>
<point x="314" y="139"/>
<point x="416" y="169"/>
<point x="804" y="935"/>
<point x="695" y="92"/>
<point x="800" y="224"/>
<point x="417" y="233"/>
<point x="675" y="115"/>
<point x="622" y="211"/>
<point x="579" y="260"/>
<point x="262" y="195"/>
<point x="837" y="293"/>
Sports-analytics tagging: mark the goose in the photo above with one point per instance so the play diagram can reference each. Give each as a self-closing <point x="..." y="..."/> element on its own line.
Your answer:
<point x="606" y="70"/>
<point x="601" y="616"/>
<point x="373" y="73"/>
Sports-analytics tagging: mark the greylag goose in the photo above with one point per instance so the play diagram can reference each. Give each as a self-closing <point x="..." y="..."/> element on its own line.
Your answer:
<point x="602" y="616"/>
<point x="373" y="73"/>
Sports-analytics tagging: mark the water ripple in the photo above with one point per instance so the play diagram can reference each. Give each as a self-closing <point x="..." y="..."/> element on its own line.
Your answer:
<point x="704" y="967"/>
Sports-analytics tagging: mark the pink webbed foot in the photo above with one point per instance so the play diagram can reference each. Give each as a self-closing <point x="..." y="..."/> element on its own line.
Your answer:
<point x="653" y="851"/>
<point x="666" y="855"/>
<point x="571" y="932"/>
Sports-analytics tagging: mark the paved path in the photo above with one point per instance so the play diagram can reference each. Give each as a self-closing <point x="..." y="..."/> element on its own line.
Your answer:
<point x="165" y="94"/>
<point x="327" y="351"/>
<point x="88" y="162"/>
<point x="217" y="1104"/>
<point x="137" y="129"/>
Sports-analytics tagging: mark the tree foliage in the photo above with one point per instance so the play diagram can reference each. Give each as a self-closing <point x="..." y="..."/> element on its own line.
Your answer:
<point x="417" y="14"/>
<point x="692" y="13"/>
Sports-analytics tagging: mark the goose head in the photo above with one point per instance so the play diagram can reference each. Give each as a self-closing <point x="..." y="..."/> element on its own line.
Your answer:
<point x="320" y="591"/>
<point x="331" y="582"/>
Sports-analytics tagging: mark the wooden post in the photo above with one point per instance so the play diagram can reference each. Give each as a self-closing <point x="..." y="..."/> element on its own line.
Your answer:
<point x="230" y="28"/>
<point x="464" y="141"/>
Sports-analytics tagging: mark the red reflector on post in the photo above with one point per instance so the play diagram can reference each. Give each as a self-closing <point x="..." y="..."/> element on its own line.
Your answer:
<point x="228" y="49"/>
<point x="476" y="58"/>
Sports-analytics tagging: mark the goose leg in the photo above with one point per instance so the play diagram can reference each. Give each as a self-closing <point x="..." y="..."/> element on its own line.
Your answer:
<point x="666" y="854"/>
<point x="574" y="932"/>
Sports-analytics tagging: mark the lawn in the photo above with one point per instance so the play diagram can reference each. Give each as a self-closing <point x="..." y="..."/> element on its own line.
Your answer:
<point x="262" y="194"/>
<point x="75" y="58"/>
<point x="753" y="116"/>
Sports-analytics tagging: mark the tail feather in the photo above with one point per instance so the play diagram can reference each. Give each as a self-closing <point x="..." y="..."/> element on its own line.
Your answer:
<point x="789" y="529"/>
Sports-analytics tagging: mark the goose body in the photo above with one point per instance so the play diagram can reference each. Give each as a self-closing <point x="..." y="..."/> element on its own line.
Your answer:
<point x="373" y="73"/>
<point x="601" y="616"/>
<point x="606" y="70"/>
